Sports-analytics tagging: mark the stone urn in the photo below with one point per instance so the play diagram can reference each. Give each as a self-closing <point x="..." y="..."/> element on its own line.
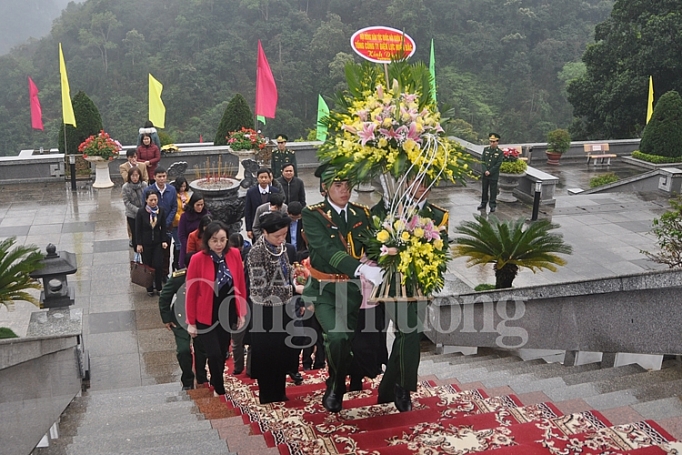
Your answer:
<point x="102" y="177"/>
<point x="221" y="196"/>
<point x="506" y="183"/>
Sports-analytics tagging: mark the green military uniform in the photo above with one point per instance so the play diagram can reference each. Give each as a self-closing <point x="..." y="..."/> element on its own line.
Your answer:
<point x="175" y="285"/>
<point x="335" y="248"/>
<point x="407" y="318"/>
<point x="491" y="159"/>
<point x="280" y="158"/>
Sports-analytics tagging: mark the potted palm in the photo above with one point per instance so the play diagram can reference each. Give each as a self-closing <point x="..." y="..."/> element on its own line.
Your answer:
<point x="511" y="171"/>
<point x="510" y="245"/>
<point x="558" y="142"/>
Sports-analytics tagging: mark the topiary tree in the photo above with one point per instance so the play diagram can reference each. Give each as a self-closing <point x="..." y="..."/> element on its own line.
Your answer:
<point x="663" y="134"/>
<point x="88" y="122"/>
<point x="237" y="115"/>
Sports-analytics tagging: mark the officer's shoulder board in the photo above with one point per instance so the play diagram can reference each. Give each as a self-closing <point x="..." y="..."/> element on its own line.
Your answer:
<point x="315" y="206"/>
<point x="179" y="273"/>
<point x="437" y="207"/>
<point x="365" y="208"/>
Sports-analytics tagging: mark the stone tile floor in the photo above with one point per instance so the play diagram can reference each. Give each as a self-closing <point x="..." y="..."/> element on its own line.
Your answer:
<point x="122" y="329"/>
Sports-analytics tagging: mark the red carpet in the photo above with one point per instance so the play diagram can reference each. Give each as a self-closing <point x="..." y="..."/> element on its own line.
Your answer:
<point x="445" y="420"/>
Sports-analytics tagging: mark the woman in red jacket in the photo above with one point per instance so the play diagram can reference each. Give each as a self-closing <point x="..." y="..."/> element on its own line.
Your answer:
<point x="216" y="297"/>
<point x="149" y="154"/>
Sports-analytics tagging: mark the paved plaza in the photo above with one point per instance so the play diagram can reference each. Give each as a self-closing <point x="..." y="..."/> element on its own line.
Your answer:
<point x="128" y="344"/>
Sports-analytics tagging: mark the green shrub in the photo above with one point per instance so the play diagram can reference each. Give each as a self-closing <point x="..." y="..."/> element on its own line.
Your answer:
<point x="165" y="138"/>
<point x="663" y="134"/>
<point x="237" y="115"/>
<point x="484" y="287"/>
<point x="655" y="159"/>
<point x="513" y="167"/>
<point x="88" y="122"/>
<point x="604" y="179"/>
<point x="668" y="231"/>
<point x="558" y="141"/>
<point x="6" y="332"/>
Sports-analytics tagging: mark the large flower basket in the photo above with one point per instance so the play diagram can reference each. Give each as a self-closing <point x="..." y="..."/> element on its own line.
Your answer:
<point x="392" y="132"/>
<point x="102" y="177"/>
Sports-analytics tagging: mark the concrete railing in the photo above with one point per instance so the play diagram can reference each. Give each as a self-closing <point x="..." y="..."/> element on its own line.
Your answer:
<point x="637" y="314"/>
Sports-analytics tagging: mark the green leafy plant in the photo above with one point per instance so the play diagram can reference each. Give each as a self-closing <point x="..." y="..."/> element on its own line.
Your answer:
<point x="604" y="179"/>
<point x="558" y="141"/>
<point x="662" y="136"/>
<point x="484" y="287"/>
<point x="237" y="115"/>
<point x="15" y="266"/>
<point x="655" y="159"/>
<point x="668" y="231"/>
<point x="513" y="167"/>
<point x="510" y="245"/>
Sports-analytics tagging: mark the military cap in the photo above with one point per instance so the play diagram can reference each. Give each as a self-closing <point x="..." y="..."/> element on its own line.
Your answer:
<point x="282" y="138"/>
<point x="323" y="172"/>
<point x="494" y="136"/>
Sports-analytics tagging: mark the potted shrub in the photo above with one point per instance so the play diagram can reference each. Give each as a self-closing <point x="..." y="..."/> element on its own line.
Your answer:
<point x="558" y="141"/>
<point x="511" y="171"/>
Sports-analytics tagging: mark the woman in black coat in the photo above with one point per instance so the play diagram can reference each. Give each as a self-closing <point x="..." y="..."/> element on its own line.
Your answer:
<point x="151" y="238"/>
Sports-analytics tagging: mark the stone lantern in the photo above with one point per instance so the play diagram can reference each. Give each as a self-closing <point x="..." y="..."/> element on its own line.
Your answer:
<point x="56" y="291"/>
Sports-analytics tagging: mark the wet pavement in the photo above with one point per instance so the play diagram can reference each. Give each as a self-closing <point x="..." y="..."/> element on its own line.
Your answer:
<point x="128" y="344"/>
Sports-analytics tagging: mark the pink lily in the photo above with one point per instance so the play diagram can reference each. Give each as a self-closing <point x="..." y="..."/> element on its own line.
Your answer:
<point x="389" y="133"/>
<point x="367" y="133"/>
<point x="349" y="128"/>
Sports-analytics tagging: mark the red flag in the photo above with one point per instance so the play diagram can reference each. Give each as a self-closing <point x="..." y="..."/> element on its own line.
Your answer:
<point x="36" y="111"/>
<point x="266" y="90"/>
<point x="201" y="139"/>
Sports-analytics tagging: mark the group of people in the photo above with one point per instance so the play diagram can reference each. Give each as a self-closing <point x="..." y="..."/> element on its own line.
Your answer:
<point x="260" y="297"/>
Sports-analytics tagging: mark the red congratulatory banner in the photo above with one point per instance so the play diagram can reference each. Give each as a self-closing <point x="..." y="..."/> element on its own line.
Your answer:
<point x="382" y="44"/>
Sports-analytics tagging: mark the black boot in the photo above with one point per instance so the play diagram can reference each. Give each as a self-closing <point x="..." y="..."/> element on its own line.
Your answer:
<point x="402" y="401"/>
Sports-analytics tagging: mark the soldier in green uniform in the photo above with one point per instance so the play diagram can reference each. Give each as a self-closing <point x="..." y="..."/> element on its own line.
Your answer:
<point x="400" y="377"/>
<point x="281" y="156"/>
<point x="170" y="314"/>
<point x="333" y="229"/>
<point x="491" y="159"/>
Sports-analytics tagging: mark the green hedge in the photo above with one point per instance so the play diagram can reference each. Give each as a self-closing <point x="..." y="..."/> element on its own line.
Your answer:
<point x="655" y="159"/>
<point x="604" y="179"/>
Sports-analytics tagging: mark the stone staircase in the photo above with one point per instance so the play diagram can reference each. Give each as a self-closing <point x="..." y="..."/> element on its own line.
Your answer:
<point x="150" y="420"/>
<point x="623" y="394"/>
<point x="469" y="401"/>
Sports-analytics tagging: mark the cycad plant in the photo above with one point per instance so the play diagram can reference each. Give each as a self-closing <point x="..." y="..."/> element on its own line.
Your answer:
<point x="15" y="266"/>
<point x="510" y="245"/>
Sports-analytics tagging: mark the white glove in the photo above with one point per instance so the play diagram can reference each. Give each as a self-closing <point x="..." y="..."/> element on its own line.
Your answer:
<point x="372" y="273"/>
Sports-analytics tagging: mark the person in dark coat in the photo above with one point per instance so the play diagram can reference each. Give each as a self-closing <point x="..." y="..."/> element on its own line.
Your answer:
<point x="256" y="196"/>
<point x="282" y="155"/>
<point x="292" y="186"/>
<point x="491" y="160"/>
<point x="151" y="237"/>
<point x="194" y="211"/>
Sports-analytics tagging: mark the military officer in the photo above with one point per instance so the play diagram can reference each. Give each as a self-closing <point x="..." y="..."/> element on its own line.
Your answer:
<point x="333" y="229"/>
<point x="400" y="377"/>
<point x="491" y="159"/>
<point x="281" y="156"/>
<point x="170" y="314"/>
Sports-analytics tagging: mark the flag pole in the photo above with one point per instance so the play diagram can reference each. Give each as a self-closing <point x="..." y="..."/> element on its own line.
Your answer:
<point x="72" y="161"/>
<point x="255" y="99"/>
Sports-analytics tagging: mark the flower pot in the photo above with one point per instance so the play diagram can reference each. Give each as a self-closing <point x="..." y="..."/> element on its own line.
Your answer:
<point x="102" y="177"/>
<point x="506" y="183"/>
<point x="553" y="158"/>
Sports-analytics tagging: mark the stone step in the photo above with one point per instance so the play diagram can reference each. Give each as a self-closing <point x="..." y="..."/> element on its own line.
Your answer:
<point x="639" y="394"/>
<point x="435" y="367"/>
<point x="659" y="409"/>
<point x="81" y="404"/>
<point x="469" y="369"/>
<point x="204" y="448"/>
<point x="140" y="390"/>
<point x="112" y="413"/>
<point x="125" y="443"/>
<point x="125" y="423"/>
<point x="629" y="376"/>
<point x="189" y="424"/>
<point x="488" y="370"/>
<point x="601" y="374"/>
<point x="532" y="373"/>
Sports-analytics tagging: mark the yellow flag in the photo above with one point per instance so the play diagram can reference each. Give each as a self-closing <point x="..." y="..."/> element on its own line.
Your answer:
<point x="67" y="107"/>
<point x="157" y="111"/>
<point x="650" y="103"/>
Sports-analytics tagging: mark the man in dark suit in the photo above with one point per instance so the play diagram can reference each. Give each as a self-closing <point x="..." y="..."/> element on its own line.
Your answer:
<point x="256" y="196"/>
<point x="295" y="232"/>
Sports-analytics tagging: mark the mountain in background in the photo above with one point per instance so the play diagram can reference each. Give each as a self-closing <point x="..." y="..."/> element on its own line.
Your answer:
<point x="24" y="19"/>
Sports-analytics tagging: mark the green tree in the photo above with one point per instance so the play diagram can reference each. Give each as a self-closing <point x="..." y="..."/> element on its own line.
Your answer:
<point x="237" y="116"/>
<point x="509" y="245"/>
<point x="15" y="266"/>
<point x="663" y="134"/>
<point x="88" y="122"/>
<point x="640" y="39"/>
<point x="102" y="25"/>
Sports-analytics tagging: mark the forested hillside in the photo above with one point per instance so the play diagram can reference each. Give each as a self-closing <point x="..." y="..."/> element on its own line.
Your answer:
<point x="502" y="64"/>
